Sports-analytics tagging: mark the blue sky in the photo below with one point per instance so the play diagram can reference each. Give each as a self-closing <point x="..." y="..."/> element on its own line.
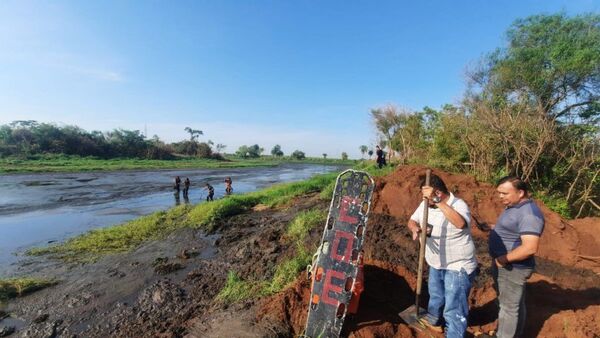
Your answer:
<point x="303" y="74"/>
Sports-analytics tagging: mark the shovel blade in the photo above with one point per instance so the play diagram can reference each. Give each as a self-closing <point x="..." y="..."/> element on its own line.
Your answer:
<point x="410" y="317"/>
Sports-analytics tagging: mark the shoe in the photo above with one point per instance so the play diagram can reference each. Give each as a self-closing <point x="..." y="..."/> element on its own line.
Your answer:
<point x="434" y="328"/>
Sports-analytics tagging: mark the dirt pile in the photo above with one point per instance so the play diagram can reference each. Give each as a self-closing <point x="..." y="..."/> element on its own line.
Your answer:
<point x="572" y="243"/>
<point x="563" y="297"/>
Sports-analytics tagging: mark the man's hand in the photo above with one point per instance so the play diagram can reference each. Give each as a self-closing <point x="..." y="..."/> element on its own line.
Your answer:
<point x="502" y="261"/>
<point x="414" y="228"/>
<point x="427" y="191"/>
<point x="415" y="233"/>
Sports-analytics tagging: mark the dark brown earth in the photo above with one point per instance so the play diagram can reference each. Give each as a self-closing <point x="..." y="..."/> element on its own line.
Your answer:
<point x="168" y="288"/>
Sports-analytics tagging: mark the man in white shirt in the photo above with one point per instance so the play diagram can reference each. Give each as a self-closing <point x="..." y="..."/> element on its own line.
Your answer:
<point x="450" y="254"/>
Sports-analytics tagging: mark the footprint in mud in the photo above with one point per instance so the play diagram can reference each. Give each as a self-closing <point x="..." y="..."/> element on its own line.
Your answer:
<point x="115" y="273"/>
<point x="162" y="266"/>
<point x="186" y="254"/>
<point x="39" y="183"/>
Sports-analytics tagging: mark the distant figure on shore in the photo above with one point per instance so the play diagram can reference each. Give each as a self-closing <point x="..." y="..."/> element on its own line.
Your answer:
<point x="380" y="157"/>
<point x="211" y="192"/>
<point x="186" y="186"/>
<point x="177" y="186"/>
<point x="228" y="188"/>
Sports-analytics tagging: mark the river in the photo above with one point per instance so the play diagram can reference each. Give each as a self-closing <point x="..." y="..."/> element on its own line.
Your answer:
<point x="40" y="209"/>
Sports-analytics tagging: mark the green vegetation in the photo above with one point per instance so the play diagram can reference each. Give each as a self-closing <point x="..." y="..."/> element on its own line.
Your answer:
<point x="299" y="155"/>
<point x="303" y="223"/>
<point x="252" y="151"/>
<point x="129" y="235"/>
<point x="288" y="270"/>
<point x="556" y="203"/>
<point x="17" y="287"/>
<point x="65" y="163"/>
<point x="532" y="109"/>
<point x="237" y="289"/>
<point x="74" y="163"/>
<point x="30" y="146"/>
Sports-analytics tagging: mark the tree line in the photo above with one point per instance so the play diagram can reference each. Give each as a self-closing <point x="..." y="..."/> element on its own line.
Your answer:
<point x="27" y="137"/>
<point x="531" y="109"/>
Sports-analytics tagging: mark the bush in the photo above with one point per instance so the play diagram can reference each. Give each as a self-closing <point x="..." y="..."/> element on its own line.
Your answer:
<point x="299" y="155"/>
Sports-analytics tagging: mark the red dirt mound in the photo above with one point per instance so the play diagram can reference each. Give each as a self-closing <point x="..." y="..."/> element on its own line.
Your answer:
<point x="398" y="195"/>
<point x="563" y="301"/>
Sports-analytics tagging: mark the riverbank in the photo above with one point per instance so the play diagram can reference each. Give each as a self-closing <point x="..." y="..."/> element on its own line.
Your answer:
<point x="37" y="209"/>
<point x="204" y="216"/>
<point x="63" y="163"/>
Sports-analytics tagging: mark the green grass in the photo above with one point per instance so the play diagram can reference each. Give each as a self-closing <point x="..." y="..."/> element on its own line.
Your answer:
<point x="17" y="287"/>
<point x="287" y="272"/>
<point x="120" y="238"/>
<point x="129" y="235"/>
<point x="71" y="163"/>
<point x="303" y="223"/>
<point x="236" y="289"/>
<point x="555" y="203"/>
<point x="79" y="164"/>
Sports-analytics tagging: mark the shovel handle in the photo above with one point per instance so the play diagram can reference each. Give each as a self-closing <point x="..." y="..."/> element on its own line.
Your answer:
<point x="422" y="239"/>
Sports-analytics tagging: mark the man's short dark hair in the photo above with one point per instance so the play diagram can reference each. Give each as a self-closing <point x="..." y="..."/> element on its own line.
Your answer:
<point x="436" y="183"/>
<point x="516" y="182"/>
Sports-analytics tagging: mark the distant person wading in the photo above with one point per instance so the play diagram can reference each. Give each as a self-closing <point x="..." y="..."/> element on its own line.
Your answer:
<point x="228" y="188"/>
<point x="177" y="186"/>
<point x="211" y="192"/>
<point x="186" y="186"/>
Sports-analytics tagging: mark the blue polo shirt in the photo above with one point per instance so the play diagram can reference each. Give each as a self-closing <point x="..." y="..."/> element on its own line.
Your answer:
<point x="524" y="218"/>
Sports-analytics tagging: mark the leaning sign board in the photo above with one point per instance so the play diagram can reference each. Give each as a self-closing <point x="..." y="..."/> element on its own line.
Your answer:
<point x="336" y="265"/>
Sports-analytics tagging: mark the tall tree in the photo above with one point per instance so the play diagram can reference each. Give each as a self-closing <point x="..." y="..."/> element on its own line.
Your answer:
<point x="276" y="151"/>
<point x="535" y="106"/>
<point x="194" y="133"/>
<point x="552" y="62"/>
<point x="363" y="150"/>
<point x="220" y="147"/>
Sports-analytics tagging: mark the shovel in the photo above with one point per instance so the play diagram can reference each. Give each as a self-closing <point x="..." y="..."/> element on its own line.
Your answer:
<point x="412" y="314"/>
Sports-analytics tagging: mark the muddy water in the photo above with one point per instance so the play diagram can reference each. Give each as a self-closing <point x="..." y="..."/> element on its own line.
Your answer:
<point x="38" y="209"/>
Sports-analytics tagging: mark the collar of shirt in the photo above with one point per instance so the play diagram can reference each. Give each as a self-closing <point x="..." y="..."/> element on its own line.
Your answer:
<point x="520" y="204"/>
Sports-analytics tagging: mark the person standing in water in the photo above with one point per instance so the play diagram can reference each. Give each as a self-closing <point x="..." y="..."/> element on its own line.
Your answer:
<point x="186" y="186"/>
<point x="228" y="188"/>
<point x="211" y="192"/>
<point x="177" y="186"/>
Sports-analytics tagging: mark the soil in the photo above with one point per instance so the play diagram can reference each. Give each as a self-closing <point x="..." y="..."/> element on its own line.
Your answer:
<point x="167" y="288"/>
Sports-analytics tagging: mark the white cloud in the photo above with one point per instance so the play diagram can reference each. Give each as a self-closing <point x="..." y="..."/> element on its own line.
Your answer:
<point x="98" y="74"/>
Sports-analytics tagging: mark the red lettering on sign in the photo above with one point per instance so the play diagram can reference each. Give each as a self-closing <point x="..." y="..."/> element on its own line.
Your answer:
<point x="345" y="208"/>
<point x="329" y="286"/>
<point x="347" y="250"/>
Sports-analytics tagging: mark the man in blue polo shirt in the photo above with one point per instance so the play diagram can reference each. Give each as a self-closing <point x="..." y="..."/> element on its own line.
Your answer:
<point x="513" y="242"/>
